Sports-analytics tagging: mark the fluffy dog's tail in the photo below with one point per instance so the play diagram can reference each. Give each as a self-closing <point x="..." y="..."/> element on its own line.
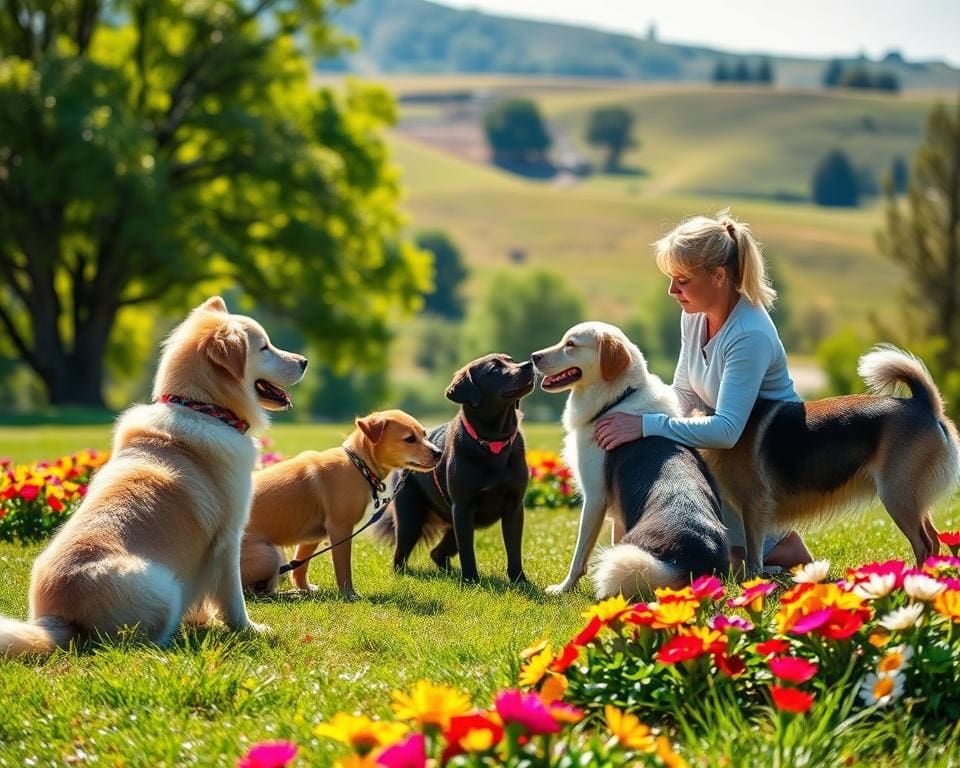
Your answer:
<point x="885" y="365"/>
<point x="628" y="569"/>
<point x="43" y="635"/>
<point x="385" y="529"/>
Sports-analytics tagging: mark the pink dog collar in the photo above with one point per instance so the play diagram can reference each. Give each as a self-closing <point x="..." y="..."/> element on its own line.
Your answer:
<point x="494" y="446"/>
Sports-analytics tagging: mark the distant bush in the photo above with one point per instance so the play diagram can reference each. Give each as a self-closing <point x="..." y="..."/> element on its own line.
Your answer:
<point x="740" y="71"/>
<point x="449" y="272"/>
<point x="835" y="181"/>
<point x="611" y="127"/>
<point x="841" y="74"/>
<point x="517" y="132"/>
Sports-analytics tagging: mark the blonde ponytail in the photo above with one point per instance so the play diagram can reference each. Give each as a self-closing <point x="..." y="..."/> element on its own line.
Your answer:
<point x="708" y="243"/>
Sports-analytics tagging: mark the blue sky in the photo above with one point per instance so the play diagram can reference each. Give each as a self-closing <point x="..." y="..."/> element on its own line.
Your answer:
<point x="920" y="29"/>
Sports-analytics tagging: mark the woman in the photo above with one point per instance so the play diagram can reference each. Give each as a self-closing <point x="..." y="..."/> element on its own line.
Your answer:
<point x="730" y="356"/>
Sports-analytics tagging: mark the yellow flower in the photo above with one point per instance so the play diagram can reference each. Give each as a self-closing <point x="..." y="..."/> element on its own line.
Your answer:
<point x="706" y="635"/>
<point x="554" y="688"/>
<point x="947" y="603"/>
<point x="665" y="752"/>
<point x="477" y="740"/>
<point x="360" y="732"/>
<point x="533" y="650"/>
<point x="536" y="667"/>
<point x="607" y="610"/>
<point x="430" y="705"/>
<point x="669" y="595"/>
<point x="878" y="639"/>
<point x="628" y="730"/>
<point x="357" y="761"/>
<point x="673" y="614"/>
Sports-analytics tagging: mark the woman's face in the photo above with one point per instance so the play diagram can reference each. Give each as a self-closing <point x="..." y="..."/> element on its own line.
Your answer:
<point x="699" y="290"/>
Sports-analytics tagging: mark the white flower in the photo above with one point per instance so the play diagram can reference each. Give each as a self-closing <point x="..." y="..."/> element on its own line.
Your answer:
<point x="876" y="586"/>
<point x="811" y="573"/>
<point x="903" y="618"/>
<point x="895" y="659"/>
<point x="922" y="587"/>
<point x="881" y="689"/>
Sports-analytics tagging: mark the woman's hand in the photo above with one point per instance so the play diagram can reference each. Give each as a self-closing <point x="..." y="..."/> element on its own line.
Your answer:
<point x="616" y="429"/>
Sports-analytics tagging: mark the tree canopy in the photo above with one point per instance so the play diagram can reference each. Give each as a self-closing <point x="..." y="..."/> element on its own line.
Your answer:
<point x="151" y="145"/>
<point x="516" y="132"/>
<point x="611" y="127"/>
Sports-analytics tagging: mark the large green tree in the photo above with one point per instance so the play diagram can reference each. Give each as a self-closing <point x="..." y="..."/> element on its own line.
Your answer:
<point x="611" y="127"/>
<point x="147" y="145"/>
<point x="922" y="235"/>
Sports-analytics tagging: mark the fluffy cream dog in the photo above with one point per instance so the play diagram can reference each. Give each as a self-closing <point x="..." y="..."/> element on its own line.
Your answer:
<point x="159" y="530"/>
<point x="664" y="507"/>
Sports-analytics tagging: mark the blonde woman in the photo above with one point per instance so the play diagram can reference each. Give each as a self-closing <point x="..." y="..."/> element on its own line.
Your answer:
<point x="730" y="356"/>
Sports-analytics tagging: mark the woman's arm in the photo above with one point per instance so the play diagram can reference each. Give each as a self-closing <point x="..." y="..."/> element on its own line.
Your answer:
<point x="745" y="363"/>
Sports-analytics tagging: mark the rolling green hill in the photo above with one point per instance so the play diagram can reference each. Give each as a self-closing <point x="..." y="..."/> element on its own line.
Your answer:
<point x="418" y="36"/>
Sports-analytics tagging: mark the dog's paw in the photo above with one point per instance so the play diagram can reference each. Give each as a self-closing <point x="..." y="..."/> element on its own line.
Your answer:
<point x="559" y="589"/>
<point x="259" y="629"/>
<point x="308" y="589"/>
<point x="350" y="596"/>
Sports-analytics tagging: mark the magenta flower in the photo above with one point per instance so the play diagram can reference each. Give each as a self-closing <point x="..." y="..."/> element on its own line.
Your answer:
<point x="811" y="621"/>
<point x="527" y="710"/>
<point x="897" y="568"/>
<point x="409" y="753"/>
<point x="793" y="669"/>
<point x="269" y="754"/>
<point x="707" y="587"/>
<point x="723" y="623"/>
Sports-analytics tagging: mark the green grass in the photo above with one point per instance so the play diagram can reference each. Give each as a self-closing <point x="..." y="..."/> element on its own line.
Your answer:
<point x="204" y="700"/>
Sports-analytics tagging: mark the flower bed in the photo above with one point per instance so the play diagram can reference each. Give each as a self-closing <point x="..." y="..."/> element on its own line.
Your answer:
<point x="885" y="635"/>
<point x="551" y="483"/>
<point x="36" y="498"/>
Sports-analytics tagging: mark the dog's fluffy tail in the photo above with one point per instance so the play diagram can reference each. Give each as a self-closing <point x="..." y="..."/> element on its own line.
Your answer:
<point x="885" y="365"/>
<point x="44" y="635"/>
<point x="628" y="569"/>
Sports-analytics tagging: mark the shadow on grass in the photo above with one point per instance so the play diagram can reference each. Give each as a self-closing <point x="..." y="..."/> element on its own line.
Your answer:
<point x="406" y="602"/>
<point x="496" y="584"/>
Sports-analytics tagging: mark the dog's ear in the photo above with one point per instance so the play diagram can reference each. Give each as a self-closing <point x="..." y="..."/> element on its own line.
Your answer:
<point x="462" y="389"/>
<point x="215" y="304"/>
<point x="372" y="427"/>
<point x="614" y="357"/>
<point x="227" y="347"/>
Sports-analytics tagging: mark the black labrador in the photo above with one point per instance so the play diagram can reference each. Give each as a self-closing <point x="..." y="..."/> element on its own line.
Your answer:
<point x="481" y="478"/>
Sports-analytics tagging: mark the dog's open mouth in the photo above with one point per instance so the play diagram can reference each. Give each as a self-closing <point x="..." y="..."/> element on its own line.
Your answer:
<point x="272" y="394"/>
<point x="561" y="379"/>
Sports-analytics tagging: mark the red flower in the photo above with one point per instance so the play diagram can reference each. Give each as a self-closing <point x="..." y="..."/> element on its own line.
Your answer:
<point x="731" y="666"/>
<point x="29" y="492"/>
<point x="792" y="669"/>
<point x="841" y="624"/>
<point x="567" y="656"/>
<point x="462" y="726"/>
<point x="680" y="648"/>
<point x="951" y="539"/>
<point x="791" y="699"/>
<point x="588" y="633"/>
<point x="54" y="503"/>
<point x="771" y="647"/>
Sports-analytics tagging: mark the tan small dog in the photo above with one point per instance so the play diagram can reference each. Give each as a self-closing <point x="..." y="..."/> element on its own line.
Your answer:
<point x="322" y="495"/>
<point x="158" y="533"/>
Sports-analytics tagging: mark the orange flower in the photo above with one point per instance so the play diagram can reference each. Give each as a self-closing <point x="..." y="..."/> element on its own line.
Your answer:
<point x="947" y="603"/>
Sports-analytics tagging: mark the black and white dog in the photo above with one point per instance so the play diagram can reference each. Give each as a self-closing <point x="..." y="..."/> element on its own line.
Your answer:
<point x="482" y="475"/>
<point x="663" y="503"/>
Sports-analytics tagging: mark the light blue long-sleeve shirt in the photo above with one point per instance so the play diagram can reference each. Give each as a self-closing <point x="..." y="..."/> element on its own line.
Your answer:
<point x="724" y="377"/>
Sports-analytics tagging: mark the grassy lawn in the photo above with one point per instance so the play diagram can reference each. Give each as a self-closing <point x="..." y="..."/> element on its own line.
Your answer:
<point x="204" y="700"/>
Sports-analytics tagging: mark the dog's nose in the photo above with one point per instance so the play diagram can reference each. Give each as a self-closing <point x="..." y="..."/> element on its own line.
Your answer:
<point x="536" y="357"/>
<point x="303" y="363"/>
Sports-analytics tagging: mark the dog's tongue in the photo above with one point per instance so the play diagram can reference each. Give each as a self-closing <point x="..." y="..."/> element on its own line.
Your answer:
<point x="268" y="391"/>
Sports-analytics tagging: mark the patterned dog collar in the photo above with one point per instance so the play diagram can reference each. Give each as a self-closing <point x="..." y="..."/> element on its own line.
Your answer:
<point x="225" y="415"/>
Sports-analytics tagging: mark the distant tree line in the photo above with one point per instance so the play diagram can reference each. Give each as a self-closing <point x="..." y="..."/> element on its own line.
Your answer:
<point x="743" y="71"/>
<point x="844" y="74"/>
<point x="838" y="182"/>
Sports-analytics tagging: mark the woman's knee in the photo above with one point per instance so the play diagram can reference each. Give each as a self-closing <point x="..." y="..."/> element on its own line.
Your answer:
<point x="789" y="552"/>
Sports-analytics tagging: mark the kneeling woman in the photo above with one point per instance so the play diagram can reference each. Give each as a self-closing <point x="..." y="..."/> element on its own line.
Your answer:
<point x="730" y="356"/>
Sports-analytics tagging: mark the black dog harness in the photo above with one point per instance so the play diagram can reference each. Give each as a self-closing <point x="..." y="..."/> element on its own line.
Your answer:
<point x="629" y="391"/>
<point x="377" y="487"/>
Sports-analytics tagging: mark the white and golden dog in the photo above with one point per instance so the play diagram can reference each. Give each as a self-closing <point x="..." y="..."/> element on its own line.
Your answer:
<point x="159" y="531"/>
<point x="658" y="493"/>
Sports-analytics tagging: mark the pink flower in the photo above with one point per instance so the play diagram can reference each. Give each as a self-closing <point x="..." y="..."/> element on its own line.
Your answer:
<point x="811" y="621"/>
<point x="863" y="572"/>
<point x="752" y="595"/>
<point x="409" y="753"/>
<point x="269" y="754"/>
<point x="707" y="587"/>
<point x="792" y="669"/>
<point x="727" y="623"/>
<point x="527" y="710"/>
